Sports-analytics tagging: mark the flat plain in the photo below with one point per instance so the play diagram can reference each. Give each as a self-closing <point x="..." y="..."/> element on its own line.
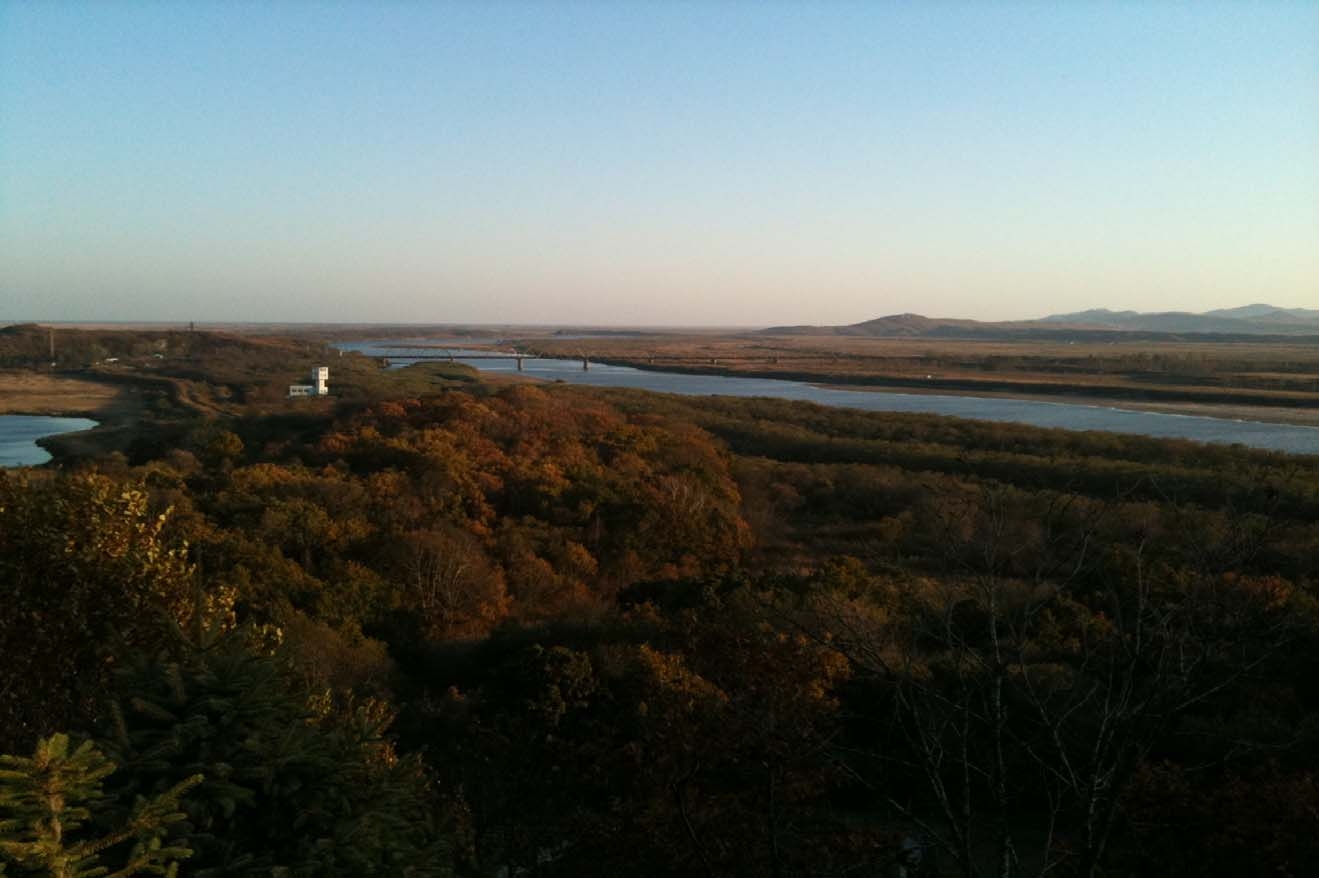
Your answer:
<point x="1267" y="380"/>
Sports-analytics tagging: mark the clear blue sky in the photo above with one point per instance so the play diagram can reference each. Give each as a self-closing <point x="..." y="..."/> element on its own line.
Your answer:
<point x="665" y="163"/>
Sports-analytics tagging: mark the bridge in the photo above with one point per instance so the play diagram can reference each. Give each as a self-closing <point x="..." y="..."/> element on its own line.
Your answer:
<point x="519" y="358"/>
<point x="650" y="359"/>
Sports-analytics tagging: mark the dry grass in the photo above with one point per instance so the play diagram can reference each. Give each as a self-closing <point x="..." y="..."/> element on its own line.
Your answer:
<point x="34" y="393"/>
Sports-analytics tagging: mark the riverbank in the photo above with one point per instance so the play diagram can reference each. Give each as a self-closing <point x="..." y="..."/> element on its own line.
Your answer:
<point x="1298" y="417"/>
<point x="117" y="409"/>
<point x="1290" y="409"/>
<point x="23" y="437"/>
<point x="1076" y="413"/>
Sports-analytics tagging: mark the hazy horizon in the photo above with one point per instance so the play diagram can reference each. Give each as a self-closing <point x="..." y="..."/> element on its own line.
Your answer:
<point x="516" y="324"/>
<point x="695" y="165"/>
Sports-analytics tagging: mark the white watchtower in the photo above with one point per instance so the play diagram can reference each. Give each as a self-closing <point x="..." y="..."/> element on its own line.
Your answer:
<point x="320" y="378"/>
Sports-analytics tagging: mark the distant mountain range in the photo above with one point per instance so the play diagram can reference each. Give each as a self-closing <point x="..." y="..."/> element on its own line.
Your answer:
<point x="1248" y="320"/>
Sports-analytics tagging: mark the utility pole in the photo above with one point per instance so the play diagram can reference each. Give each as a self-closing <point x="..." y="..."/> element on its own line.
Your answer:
<point x="51" y="335"/>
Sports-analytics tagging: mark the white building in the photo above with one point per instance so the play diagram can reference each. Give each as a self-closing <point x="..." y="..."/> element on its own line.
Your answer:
<point x="319" y="386"/>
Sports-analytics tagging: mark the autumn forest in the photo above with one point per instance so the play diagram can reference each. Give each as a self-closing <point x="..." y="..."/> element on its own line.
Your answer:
<point x="445" y="626"/>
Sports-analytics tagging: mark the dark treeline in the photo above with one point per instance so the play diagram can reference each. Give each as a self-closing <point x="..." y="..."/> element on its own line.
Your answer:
<point x="562" y="631"/>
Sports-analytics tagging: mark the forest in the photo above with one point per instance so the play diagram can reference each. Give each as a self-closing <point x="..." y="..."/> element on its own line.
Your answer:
<point x="446" y="627"/>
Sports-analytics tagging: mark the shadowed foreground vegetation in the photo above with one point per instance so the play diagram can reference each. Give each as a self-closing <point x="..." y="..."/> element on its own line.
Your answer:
<point x="561" y="631"/>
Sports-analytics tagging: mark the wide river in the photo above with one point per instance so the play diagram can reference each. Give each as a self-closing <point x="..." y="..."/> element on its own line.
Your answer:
<point x="1068" y="416"/>
<point x="19" y="435"/>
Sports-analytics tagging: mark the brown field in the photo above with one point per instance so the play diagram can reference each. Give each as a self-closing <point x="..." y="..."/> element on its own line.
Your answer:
<point x="35" y="393"/>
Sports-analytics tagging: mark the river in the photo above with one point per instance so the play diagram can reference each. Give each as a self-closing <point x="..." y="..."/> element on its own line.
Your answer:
<point x="1068" y="416"/>
<point x="19" y="435"/>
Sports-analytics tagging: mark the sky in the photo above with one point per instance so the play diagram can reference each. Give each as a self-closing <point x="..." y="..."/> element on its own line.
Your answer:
<point x="678" y="163"/>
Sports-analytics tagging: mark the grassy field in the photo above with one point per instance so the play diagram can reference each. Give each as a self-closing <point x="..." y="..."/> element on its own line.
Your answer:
<point x="34" y="393"/>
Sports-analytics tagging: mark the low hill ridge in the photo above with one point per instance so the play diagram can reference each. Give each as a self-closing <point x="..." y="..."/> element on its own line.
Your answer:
<point x="1247" y="320"/>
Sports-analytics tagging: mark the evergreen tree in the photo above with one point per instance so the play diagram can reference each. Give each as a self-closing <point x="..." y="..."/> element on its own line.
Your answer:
<point x="289" y="790"/>
<point x="50" y="805"/>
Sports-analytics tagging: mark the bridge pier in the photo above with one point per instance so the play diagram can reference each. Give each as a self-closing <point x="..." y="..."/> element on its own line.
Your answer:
<point x="586" y="364"/>
<point x="519" y="359"/>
